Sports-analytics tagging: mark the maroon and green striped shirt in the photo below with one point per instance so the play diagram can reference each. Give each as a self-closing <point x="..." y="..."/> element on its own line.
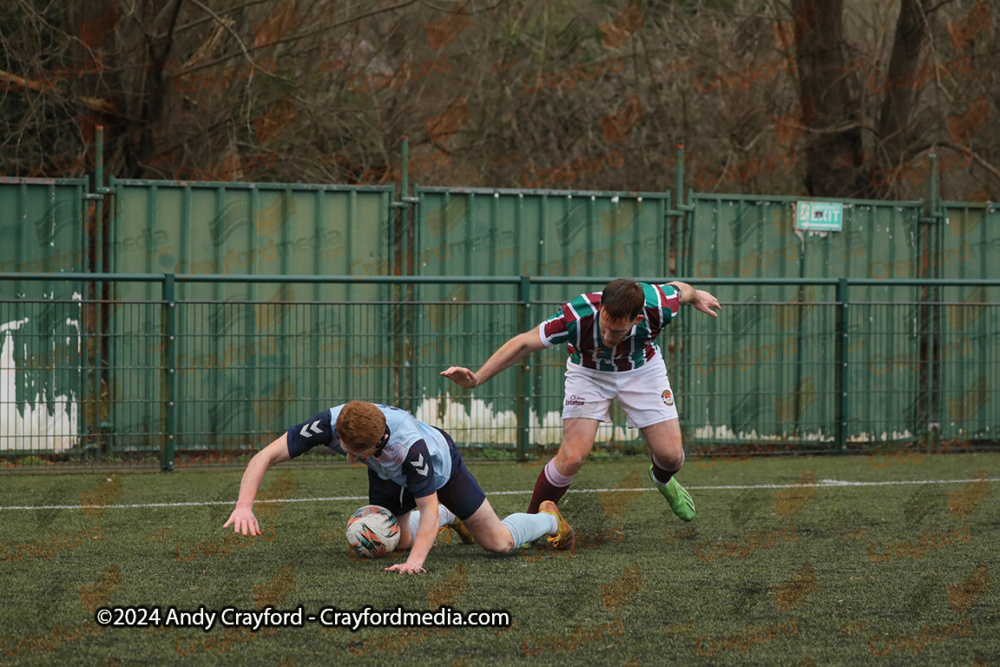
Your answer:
<point x="576" y="324"/>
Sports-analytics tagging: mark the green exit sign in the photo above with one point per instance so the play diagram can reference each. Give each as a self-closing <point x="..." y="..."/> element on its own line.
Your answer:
<point x="819" y="216"/>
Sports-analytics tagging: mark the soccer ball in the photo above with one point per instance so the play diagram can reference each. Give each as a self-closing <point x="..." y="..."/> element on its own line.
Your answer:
<point x="372" y="532"/>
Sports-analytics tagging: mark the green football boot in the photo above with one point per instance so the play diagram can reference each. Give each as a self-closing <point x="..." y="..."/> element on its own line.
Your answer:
<point x="679" y="499"/>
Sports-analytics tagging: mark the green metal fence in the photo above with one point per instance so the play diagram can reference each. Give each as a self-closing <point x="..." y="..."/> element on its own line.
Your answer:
<point x="179" y="379"/>
<point x="143" y="316"/>
<point x="143" y="226"/>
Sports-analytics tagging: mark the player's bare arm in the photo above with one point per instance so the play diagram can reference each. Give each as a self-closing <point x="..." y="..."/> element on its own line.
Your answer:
<point x="699" y="299"/>
<point x="242" y="519"/>
<point x="510" y="353"/>
<point x="427" y="531"/>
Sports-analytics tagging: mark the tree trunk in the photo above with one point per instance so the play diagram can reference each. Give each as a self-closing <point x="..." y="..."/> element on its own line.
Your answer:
<point x="896" y="117"/>
<point x="833" y="139"/>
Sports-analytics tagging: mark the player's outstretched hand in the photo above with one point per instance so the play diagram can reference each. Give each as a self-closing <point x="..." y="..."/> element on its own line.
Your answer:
<point x="706" y="302"/>
<point x="242" y="520"/>
<point x="463" y="377"/>
<point x="406" y="568"/>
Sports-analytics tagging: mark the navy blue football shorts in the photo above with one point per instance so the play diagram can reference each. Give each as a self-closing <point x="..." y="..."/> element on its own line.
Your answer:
<point x="462" y="494"/>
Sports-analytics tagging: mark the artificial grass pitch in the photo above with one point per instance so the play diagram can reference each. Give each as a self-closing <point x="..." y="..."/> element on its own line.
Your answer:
<point x="791" y="563"/>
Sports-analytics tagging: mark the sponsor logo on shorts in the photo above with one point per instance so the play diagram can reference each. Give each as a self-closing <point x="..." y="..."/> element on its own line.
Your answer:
<point x="573" y="399"/>
<point x="668" y="398"/>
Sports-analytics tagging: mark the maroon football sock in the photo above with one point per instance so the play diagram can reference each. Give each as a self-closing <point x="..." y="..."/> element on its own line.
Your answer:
<point x="545" y="490"/>
<point x="662" y="475"/>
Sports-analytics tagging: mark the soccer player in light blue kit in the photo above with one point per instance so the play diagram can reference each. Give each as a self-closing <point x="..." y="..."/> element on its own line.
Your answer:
<point x="410" y="466"/>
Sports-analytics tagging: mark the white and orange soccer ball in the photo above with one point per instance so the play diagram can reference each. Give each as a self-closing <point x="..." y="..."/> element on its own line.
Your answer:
<point x="372" y="532"/>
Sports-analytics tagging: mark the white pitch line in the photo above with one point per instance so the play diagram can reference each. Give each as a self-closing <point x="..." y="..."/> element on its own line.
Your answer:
<point x="831" y="483"/>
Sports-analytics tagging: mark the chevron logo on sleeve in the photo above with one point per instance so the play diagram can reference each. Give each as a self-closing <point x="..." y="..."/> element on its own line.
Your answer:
<point x="309" y="430"/>
<point x="420" y="466"/>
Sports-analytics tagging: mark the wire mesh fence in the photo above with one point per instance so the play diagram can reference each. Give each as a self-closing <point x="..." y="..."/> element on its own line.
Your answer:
<point x="194" y="378"/>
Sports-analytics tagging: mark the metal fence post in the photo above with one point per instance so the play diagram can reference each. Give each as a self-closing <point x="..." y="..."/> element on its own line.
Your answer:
<point x="935" y="234"/>
<point x="402" y="238"/>
<point x="408" y="381"/>
<point x="170" y="373"/>
<point x="523" y="427"/>
<point x="840" y="373"/>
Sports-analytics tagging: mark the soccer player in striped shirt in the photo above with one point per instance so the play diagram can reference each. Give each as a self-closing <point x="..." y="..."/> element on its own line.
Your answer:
<point x="611" y="339"/>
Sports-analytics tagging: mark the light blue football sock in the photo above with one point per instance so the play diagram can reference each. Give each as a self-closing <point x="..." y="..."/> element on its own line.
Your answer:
<point x="445" y="516"/>
<point x="526" y="528"/>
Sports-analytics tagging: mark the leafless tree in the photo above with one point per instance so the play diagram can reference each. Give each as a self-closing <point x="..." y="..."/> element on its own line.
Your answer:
<point x="831" y="98"/>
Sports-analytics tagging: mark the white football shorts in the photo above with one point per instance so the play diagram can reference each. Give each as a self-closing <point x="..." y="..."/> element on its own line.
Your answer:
<point x="644" y="393"/>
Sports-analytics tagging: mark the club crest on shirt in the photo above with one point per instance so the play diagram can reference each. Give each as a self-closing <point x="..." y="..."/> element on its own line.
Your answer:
<point x="668" y="398"/>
